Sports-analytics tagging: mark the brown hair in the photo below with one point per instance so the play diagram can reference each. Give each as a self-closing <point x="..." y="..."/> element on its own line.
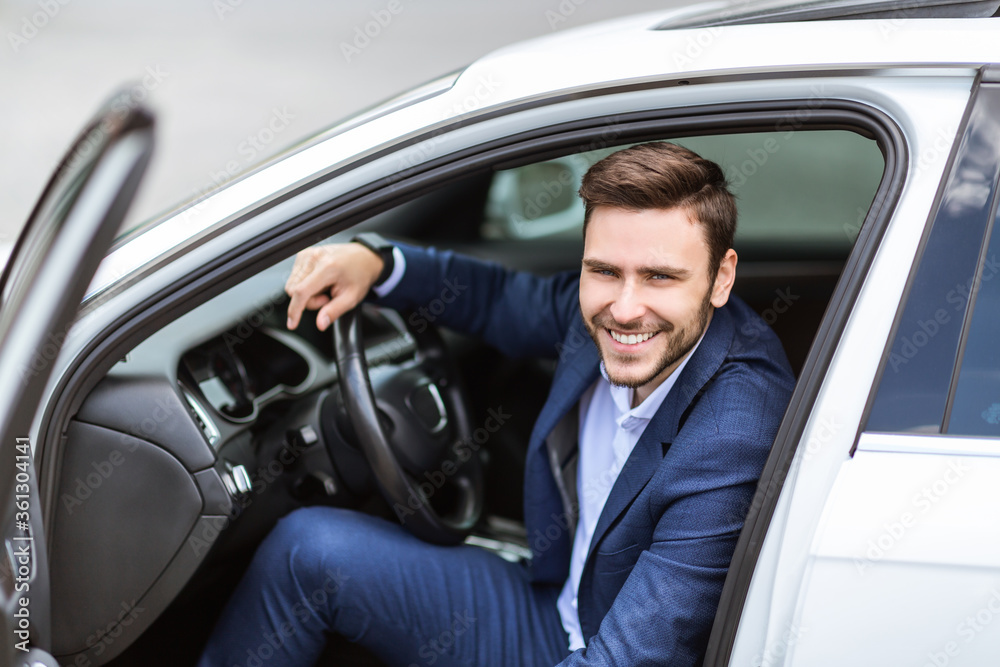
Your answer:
<point x="664" y="175"/>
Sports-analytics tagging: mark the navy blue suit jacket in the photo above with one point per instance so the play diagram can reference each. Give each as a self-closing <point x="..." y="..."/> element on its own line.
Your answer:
<point x="662" y="546"/>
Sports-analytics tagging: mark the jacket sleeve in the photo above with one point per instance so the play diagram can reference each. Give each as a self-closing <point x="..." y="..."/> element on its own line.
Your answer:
<point x="518" y="313"/>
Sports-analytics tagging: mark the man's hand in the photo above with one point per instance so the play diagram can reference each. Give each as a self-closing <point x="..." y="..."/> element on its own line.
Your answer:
<point x="332" y="279"/>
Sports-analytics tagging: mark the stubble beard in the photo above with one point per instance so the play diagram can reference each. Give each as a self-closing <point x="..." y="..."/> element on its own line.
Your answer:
<point x="679" y="343"/>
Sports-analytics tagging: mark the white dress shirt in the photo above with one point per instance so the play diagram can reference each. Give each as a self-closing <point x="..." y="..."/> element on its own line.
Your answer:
<point x="606" y="416"/>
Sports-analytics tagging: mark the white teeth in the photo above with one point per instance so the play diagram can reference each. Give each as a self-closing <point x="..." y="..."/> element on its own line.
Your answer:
<point x="630" y="339"/>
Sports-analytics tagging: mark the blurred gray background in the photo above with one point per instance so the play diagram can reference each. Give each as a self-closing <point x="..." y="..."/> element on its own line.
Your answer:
<point x="218" y="72"/>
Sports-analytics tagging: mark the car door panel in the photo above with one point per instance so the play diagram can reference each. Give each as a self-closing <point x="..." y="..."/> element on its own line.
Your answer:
<point x="908" y="540"/>
<point x="887" y="535"/>
<point x="829" y="406"/>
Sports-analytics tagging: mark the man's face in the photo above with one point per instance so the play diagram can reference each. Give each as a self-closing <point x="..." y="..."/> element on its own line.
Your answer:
<point x="646" y="294"/>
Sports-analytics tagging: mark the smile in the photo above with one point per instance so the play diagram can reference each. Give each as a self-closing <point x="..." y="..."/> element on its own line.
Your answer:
<point x="631" y="339"/>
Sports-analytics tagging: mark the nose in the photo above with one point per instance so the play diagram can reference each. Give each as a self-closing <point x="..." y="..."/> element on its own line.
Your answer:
<point x="628" y="305"/>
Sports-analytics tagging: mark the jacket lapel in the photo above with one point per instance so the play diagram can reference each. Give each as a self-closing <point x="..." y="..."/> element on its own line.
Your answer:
<point x="578" y="369"/>
<point x="549" y="523"/>
<point x="662" y="428"/>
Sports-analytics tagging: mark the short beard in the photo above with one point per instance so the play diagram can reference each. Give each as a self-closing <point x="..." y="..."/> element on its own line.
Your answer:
<point x="679" y="343"/>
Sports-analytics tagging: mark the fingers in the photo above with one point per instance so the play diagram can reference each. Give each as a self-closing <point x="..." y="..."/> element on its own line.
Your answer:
<point x="332" y="279"/>
<point x="317" y="302"/>
<point x="309" y="292"/>
<point x="302" y="269"/>
<point x="305" y="261"/>
<point x="338" y="305"/>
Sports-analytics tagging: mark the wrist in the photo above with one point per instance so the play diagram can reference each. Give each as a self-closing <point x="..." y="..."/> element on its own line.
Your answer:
<point x="382" y="249"/>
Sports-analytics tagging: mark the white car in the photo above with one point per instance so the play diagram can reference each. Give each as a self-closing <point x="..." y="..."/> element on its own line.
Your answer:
<point x="155" y="433"/>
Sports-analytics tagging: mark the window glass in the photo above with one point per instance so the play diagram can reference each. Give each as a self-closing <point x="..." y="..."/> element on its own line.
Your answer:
<point x="809" y="187"/>
<point x="916" y="380"/>
<point x="976" y="404"/>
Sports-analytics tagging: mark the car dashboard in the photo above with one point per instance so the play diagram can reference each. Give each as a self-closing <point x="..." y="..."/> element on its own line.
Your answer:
<point x="196" y="443"/>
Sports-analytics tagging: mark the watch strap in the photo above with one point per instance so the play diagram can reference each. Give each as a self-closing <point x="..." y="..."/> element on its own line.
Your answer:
<point x="381" y="247"/>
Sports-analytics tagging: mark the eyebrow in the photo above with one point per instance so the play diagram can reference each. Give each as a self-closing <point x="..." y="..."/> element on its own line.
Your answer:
<point x="645" y="270"/>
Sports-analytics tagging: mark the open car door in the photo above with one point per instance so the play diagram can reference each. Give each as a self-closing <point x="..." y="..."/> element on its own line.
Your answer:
<point x="55" y="257"/>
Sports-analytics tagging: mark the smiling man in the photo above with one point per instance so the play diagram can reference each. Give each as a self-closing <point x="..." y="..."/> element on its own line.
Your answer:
<point x="646" y="309"/>
<point x="639" y="472"/>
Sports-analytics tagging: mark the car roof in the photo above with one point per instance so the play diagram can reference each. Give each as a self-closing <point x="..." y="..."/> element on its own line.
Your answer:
<point x="748" y="38"/>
<point x="630" y="51"/>
<point x="744" y="12"/>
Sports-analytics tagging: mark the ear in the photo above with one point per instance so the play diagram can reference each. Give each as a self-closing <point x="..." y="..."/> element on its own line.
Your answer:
<point x="724" y="279"/>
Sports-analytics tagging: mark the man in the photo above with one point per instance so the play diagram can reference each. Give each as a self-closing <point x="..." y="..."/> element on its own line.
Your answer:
<point x="639" y="472"/>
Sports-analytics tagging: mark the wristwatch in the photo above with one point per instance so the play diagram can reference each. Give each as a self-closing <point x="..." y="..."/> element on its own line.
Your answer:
<point x="381" y="247"/>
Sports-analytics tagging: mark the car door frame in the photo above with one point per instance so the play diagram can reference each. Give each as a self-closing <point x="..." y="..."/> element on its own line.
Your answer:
<point x="79" y="213"/>
<point x="789" y="438"/>
<point x="100" y="352"/>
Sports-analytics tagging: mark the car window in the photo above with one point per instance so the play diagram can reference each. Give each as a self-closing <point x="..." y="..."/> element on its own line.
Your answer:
<point x="809" y="187"/>
<point x="976" y="403"/>
<point x="918" y="370"/>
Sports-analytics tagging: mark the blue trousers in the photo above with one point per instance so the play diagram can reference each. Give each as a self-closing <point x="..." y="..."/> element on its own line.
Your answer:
<point x="326" y="570"/>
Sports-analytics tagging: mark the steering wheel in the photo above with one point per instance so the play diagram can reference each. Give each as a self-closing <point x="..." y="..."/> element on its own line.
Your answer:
<point x="414" y="427"/>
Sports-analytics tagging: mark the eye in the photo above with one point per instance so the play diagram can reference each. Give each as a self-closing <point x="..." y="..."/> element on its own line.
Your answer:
<point x="662" y="276"/>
